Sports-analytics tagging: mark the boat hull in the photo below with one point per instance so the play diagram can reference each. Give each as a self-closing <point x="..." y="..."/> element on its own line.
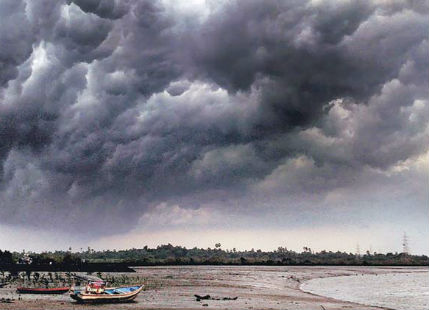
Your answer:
<point x="29" y="290"/>
<point x="106" y="298"/>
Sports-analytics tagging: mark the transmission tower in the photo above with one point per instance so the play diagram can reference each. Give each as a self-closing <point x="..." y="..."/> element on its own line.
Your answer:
<point x="405" y="248"/>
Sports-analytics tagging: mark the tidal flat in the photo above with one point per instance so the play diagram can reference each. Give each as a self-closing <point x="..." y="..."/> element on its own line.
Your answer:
<point x="256" y="287"/>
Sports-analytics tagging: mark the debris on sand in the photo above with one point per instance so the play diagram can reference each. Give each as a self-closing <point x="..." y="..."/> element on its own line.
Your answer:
<point x="230" y="298"/>
<point x="208" y="297"/>
<point x="295" y="279"/>
<point x="6" y="300"/>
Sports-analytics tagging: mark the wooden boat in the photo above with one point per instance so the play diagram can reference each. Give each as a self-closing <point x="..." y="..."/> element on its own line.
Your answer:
<point x="107" y="295"/>
<point x="31" y="290"/>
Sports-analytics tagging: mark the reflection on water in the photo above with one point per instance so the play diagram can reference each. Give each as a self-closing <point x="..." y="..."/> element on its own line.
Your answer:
<point x="401" y="291"/>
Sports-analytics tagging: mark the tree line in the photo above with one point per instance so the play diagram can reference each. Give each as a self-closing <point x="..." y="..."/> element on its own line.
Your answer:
<point x="177" y="255"/>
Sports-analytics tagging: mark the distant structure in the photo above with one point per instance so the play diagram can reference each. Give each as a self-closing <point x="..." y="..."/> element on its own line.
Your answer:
<point x="25" y="259"/>
<point x="405" y="247"/>
<point x="358" y="250"/>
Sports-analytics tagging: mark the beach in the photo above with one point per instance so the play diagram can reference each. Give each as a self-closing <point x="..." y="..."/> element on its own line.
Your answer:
<point x="256" y="287"/>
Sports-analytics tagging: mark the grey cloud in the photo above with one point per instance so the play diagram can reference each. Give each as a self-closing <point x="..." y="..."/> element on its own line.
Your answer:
<point x="16" y="39"/>
<point x="110" y="9"/>
<point x="178" y="88"/>
<point x="110" y="106"/>
<point x="287" y="50"/>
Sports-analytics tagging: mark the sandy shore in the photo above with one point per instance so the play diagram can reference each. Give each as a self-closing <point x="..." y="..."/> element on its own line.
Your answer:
<point x="258" y="287"/>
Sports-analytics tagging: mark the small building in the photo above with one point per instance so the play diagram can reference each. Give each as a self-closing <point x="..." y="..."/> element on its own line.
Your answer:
<point x="25" y="259"/>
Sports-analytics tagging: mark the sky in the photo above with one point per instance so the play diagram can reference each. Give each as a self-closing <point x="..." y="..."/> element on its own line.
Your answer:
<point x="256" y="124"/>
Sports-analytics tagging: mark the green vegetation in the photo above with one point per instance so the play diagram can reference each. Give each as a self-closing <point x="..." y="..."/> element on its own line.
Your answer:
<point x="6" y="258"/>
<point x="176" y="255"/>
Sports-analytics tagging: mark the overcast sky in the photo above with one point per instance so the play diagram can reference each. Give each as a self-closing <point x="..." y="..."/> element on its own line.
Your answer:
<point x="256" y="124"/>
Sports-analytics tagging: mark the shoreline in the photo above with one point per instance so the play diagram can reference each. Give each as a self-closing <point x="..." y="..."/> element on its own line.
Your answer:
<point x="256" y="287"/>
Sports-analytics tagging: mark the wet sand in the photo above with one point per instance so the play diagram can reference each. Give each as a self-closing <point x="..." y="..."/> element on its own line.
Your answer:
<point x="257" y="287"/>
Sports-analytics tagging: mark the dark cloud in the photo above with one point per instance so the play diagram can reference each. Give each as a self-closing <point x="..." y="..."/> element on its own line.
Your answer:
<point x="110" y="9"/>
<point x="110" y="107"/>
<point x="16" y="39"/>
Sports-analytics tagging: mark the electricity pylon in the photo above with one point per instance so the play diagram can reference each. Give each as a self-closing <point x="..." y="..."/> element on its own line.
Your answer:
<point x="405" y="248"/>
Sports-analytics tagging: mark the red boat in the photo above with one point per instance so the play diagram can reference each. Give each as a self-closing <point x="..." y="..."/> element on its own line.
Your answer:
<point x="54" y="290"/>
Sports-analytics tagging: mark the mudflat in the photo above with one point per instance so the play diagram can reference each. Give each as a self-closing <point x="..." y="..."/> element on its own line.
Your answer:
<point x="218" y="287"/>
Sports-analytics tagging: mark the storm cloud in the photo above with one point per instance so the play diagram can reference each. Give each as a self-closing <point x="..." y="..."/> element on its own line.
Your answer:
<point x="109" y="109"/>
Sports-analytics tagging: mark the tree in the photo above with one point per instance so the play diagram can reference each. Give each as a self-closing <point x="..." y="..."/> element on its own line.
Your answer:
<point x="6" y="258"/>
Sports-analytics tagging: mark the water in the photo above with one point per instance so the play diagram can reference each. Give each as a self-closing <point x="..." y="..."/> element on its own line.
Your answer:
<point x="400" y="291"/>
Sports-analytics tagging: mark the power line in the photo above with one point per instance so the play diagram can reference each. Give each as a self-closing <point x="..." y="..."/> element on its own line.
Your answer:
<point x="405" y="247"/>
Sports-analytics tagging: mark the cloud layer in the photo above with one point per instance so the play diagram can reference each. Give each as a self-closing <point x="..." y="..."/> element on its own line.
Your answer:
<point x="110" y="109"/>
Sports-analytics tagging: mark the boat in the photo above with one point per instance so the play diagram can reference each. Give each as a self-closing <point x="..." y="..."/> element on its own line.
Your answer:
<point x="32" y="290"/>
<point x="99" y="294"/>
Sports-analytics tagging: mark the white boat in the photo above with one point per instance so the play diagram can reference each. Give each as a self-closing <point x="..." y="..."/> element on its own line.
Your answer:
<point x="94" y="294"/>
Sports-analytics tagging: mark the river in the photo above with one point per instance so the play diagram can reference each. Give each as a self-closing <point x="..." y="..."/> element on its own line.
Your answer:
<point x="399" y="291"/>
